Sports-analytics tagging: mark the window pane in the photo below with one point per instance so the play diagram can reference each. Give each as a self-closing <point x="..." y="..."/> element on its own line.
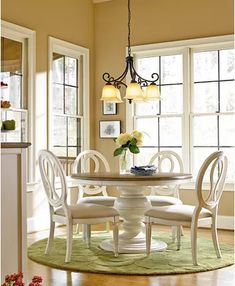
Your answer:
<point x="70" y="71"/>
<point x="170" y="131"/>
<point x="227" y="130"/>
<point x="58" y="98"/>
<point x="144" y="156"/>
<point x="171" y="69"/>
<point x="205" y="66"/>
<point x="227" y="96"/>
<point x="199" y="156"/>
<point x="227" y="64"/>
<point x="72" y="152"/>
<point x="149" y="108"/>
<point x="205" y="97"/>
<point x="230" y="153"/>
<point x="60" y="151"/>
<point x="150" y="128"/>
<point x="59" y="131"/>
<point x="58" y="68"/>
<point x="172" y="99"/>
<point x="147" y="66"/>
<point x="72" y="131"/>
<point x="205" y="131"/>
<point x="71" y="100"/>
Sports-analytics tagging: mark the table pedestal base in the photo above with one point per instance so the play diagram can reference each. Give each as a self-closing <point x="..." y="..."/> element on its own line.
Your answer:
<point x="133" y="245"/>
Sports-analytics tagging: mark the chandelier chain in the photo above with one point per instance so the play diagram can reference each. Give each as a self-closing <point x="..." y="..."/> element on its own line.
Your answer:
<point x="129" y="28"/>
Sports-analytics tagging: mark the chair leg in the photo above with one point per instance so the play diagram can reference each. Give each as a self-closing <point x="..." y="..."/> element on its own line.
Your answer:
<point x="87" y="230"/>
<point x="115" y="237"/>
<point x="215" y="236"/>
<point x="179" y="227"/>
<point x="182" y="231"/>
<point x="148" y="231"/>
<point x="51" y="237"/>
<point x="107" y="226"/>
<point x="173" y="233"/>
<point x="194" y="241"/>
<point x="69" y="230"/>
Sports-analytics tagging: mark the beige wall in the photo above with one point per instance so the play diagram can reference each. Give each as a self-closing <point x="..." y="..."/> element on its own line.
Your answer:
<point x="152" y="22"/>
<point x="71" y="21"/>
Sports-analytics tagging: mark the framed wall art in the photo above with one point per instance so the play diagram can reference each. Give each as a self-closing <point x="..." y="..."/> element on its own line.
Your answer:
<point x="109" y="108"/>
<point x="110" y="129"/>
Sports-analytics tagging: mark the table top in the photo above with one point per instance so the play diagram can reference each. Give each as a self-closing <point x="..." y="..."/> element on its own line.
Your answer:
<point x="106" y="178"/>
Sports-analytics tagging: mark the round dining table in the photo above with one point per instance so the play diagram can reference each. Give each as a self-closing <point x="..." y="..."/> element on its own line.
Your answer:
<point x="131" y="204"/>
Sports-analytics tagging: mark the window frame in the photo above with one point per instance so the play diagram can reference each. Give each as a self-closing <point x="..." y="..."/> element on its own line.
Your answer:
<point x="68" y="49"/>
<point x="186" y="48"/>
<point x="28" y="38"/>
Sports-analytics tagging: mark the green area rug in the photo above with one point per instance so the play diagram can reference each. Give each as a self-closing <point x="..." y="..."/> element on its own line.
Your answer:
<point x="97" y="260"/>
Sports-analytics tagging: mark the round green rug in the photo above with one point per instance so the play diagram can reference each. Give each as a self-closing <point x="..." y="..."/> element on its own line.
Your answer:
<point x="97" y="260"/>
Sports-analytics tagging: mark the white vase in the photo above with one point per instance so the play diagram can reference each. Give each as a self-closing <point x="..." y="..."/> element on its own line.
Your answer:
<point x="125" y="162"/>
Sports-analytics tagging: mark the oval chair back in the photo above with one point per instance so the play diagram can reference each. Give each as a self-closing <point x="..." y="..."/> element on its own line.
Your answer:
<point x="82" y="164"/>
<point x="50" y="170"/>
<point x="167" y="161"/>
<point x="217" y="163"/>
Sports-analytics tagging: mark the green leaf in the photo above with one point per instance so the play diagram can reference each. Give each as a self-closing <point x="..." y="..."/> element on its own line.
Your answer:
<point x="134" y="149"/>
<point x="133" y="141"/>
<point x="118" y="151"/>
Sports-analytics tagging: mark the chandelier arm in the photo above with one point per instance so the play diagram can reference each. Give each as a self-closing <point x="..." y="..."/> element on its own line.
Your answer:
<point x="141" y="79"/>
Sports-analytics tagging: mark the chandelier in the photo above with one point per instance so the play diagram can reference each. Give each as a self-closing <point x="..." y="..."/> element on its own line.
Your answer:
<point x="139" y="89"/>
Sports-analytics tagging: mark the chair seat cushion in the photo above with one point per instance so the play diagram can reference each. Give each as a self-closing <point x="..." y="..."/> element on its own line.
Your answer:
<point x="158" y="201"/>
<point x="99" y="200"/>
<point x="85" y="210"/>
<point x="176" y="212"/>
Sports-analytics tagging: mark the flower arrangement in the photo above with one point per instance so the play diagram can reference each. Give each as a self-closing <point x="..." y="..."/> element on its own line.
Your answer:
<point x="17" y="280"/>
<point x="127" y="141"/>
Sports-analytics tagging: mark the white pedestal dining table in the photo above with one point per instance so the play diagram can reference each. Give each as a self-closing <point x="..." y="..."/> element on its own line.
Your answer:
<point x="132" y="204"/>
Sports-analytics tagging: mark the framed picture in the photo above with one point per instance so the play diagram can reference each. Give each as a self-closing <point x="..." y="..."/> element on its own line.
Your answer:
<point x="110" y="129"/>
<point x="109" y="108"/>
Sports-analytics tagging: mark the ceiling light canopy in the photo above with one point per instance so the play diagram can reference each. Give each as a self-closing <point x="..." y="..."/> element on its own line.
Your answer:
<point x="139" y="89"/>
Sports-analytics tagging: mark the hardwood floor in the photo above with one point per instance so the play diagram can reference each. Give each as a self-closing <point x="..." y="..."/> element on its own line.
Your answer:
<point x="54" y="277"/>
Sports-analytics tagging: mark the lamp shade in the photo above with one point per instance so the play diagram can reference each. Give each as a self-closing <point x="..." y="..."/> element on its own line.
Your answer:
<point x="152" y="92"/>
<point x="111" y="94"/>
<point x="134" y="91"/>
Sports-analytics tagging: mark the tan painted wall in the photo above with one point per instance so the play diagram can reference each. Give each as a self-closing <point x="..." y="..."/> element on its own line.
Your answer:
<point x="152" y="22"/>
<point x="71" y="21"/>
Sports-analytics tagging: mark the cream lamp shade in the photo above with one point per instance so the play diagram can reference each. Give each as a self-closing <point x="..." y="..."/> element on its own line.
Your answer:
<point x="152" y="92"/>
<point x="134" y="91"/>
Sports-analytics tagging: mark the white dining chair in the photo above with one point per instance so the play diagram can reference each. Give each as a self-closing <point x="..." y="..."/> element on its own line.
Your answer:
<point x="83" y="164"/>
<point x="60" y="212"/>
<point x="203" y="213"/>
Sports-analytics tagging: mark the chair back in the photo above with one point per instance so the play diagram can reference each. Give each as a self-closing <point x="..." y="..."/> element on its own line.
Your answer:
<point x="50" y="170"/>
<point x="84" y="159"/>
<point x="167" y="161"/>
<point x="217" y="165"/>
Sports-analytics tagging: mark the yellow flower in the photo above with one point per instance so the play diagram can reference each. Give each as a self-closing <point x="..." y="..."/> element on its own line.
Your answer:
<point x="139" y="137"/>
<point x="123" y="138"/>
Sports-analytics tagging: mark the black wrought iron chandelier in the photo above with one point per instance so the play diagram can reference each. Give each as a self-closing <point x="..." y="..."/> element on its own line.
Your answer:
<point x="139" y="89"/>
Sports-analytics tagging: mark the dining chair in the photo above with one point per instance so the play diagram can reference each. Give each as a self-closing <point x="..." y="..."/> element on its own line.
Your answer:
<point x="61" y="212"/>
<point x="166" y="161"/>
<point x="204" y="212"/>
<point x="83" y="164"/>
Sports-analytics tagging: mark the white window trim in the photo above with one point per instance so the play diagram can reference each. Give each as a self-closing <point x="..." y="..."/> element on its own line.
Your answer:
<point x="18" y="33"/>
<point x="71" y="50"/>
<point x="200" y="44"/>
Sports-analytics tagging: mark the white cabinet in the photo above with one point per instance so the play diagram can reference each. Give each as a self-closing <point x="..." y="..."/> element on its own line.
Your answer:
<point x="13" y="208"/>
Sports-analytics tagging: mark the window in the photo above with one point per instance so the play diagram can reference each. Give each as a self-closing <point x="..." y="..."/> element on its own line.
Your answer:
<point x="69" y="101"/>
<point x="17" y="86"/>
<point x="197" y="112"/>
